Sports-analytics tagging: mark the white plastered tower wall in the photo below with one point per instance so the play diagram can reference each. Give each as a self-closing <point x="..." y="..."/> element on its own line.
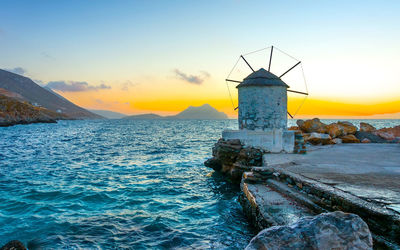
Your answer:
<point x="262" y="108"/>
<point x="262" y="114"/>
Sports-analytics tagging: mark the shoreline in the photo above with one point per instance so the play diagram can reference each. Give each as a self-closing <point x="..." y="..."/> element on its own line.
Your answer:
<point x="287" y="187"/>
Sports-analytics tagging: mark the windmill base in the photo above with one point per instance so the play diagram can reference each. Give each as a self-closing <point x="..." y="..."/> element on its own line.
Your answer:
<point x="273" y="140"/>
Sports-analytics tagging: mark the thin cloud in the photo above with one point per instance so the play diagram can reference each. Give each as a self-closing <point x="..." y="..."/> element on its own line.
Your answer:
<point x="193" y="79"/>
<point x="18" y="70"/>
<point x="125" y="86"/>
<point x="99" y="101"/>
<point x="74" y="86"/>
<point x="47" y="56"/>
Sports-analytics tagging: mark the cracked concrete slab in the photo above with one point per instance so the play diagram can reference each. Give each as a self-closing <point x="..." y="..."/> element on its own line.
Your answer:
<point x="368" y="171"/>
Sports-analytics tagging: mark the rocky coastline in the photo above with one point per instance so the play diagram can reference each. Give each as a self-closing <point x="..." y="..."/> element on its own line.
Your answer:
<point x="232" y="159"/>
<point x="13" y="112"/>
<point x="293" y="199"/>
<point x="13" y="245"/>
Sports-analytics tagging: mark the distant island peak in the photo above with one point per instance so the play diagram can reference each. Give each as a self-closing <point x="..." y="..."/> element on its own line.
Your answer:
<point x="203" y="112"/>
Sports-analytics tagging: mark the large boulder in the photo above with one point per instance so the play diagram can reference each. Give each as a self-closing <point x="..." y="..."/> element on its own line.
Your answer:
<point x="227" y="150"/>
<point x="311" y="126"/>
<point x="334" y="130"/>
<point x="231" y="158"/>
<point x="335" y="230"/>
<point x="347" y="128"/>
<point x="349" y="139"/>
<point x="385" y="135"/>
<point x="366" y="127"/>
<point x="370" y="136"/>
<point x="214" y="163"/>
<point x="389" y="134"/>
<point x="317" y="139"/>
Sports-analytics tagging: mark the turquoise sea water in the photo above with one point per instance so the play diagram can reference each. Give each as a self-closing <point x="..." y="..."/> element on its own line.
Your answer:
<point x="119" y="184"/>
<point x="116" y="184"/>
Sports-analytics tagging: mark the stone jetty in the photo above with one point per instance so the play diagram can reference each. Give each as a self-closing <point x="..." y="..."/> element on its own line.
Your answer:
<point x="231" y="158"/>
<point x="355" y="170"/>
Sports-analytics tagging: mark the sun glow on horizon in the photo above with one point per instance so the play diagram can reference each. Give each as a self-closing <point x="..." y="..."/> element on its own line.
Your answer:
<point x="312" y="107"/>
<point x="137" y="59"/>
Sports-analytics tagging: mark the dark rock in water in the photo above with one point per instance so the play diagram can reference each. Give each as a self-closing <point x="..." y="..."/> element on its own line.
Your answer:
<point x="370" y="136"/>
<point x="226" y="151"/>
<point x="13" y="245"/>
<point x="231" y="158"/>
<point x="335" y="230"/>
<point x="213" y="163"/>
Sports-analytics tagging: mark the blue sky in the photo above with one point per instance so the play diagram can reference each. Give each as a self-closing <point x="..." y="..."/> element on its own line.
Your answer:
<point x="108" y="42"/>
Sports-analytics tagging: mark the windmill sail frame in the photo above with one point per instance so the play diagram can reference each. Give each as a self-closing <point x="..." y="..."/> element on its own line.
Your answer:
<point x="242" y="57"/>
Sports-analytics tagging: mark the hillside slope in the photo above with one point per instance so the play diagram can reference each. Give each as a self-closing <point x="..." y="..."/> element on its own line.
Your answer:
<point x="14" y="112"/>
<point x="33" y="93"/>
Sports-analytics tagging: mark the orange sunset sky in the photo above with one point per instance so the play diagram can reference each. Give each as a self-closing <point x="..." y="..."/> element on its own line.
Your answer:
<point x="137" y="57"/>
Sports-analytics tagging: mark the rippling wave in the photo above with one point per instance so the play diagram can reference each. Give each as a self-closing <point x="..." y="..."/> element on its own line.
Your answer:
<point x="117" y="184"/>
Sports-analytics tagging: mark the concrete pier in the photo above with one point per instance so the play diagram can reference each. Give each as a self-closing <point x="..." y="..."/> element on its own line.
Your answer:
<point x="357" y="178"/>
<point x="368" y="171"/>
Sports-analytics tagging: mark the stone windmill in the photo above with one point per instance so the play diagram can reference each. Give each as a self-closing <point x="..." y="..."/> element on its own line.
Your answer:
<point x="262" y="105"/>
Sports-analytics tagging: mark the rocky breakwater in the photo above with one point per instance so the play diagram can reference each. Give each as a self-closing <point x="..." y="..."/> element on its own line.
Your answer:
<point x="318" y="133"/>
<point x="231" y="158"/>
<point x="14" y="112"/>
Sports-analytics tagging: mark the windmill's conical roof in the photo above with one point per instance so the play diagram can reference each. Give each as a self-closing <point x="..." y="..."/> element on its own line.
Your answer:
<point x="262" y="77"/>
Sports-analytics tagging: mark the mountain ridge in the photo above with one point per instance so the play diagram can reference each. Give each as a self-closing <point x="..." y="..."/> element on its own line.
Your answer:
<point x="31" y="92"/>
<point x="108" y="113"/>
<point x="203" y="112"/>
